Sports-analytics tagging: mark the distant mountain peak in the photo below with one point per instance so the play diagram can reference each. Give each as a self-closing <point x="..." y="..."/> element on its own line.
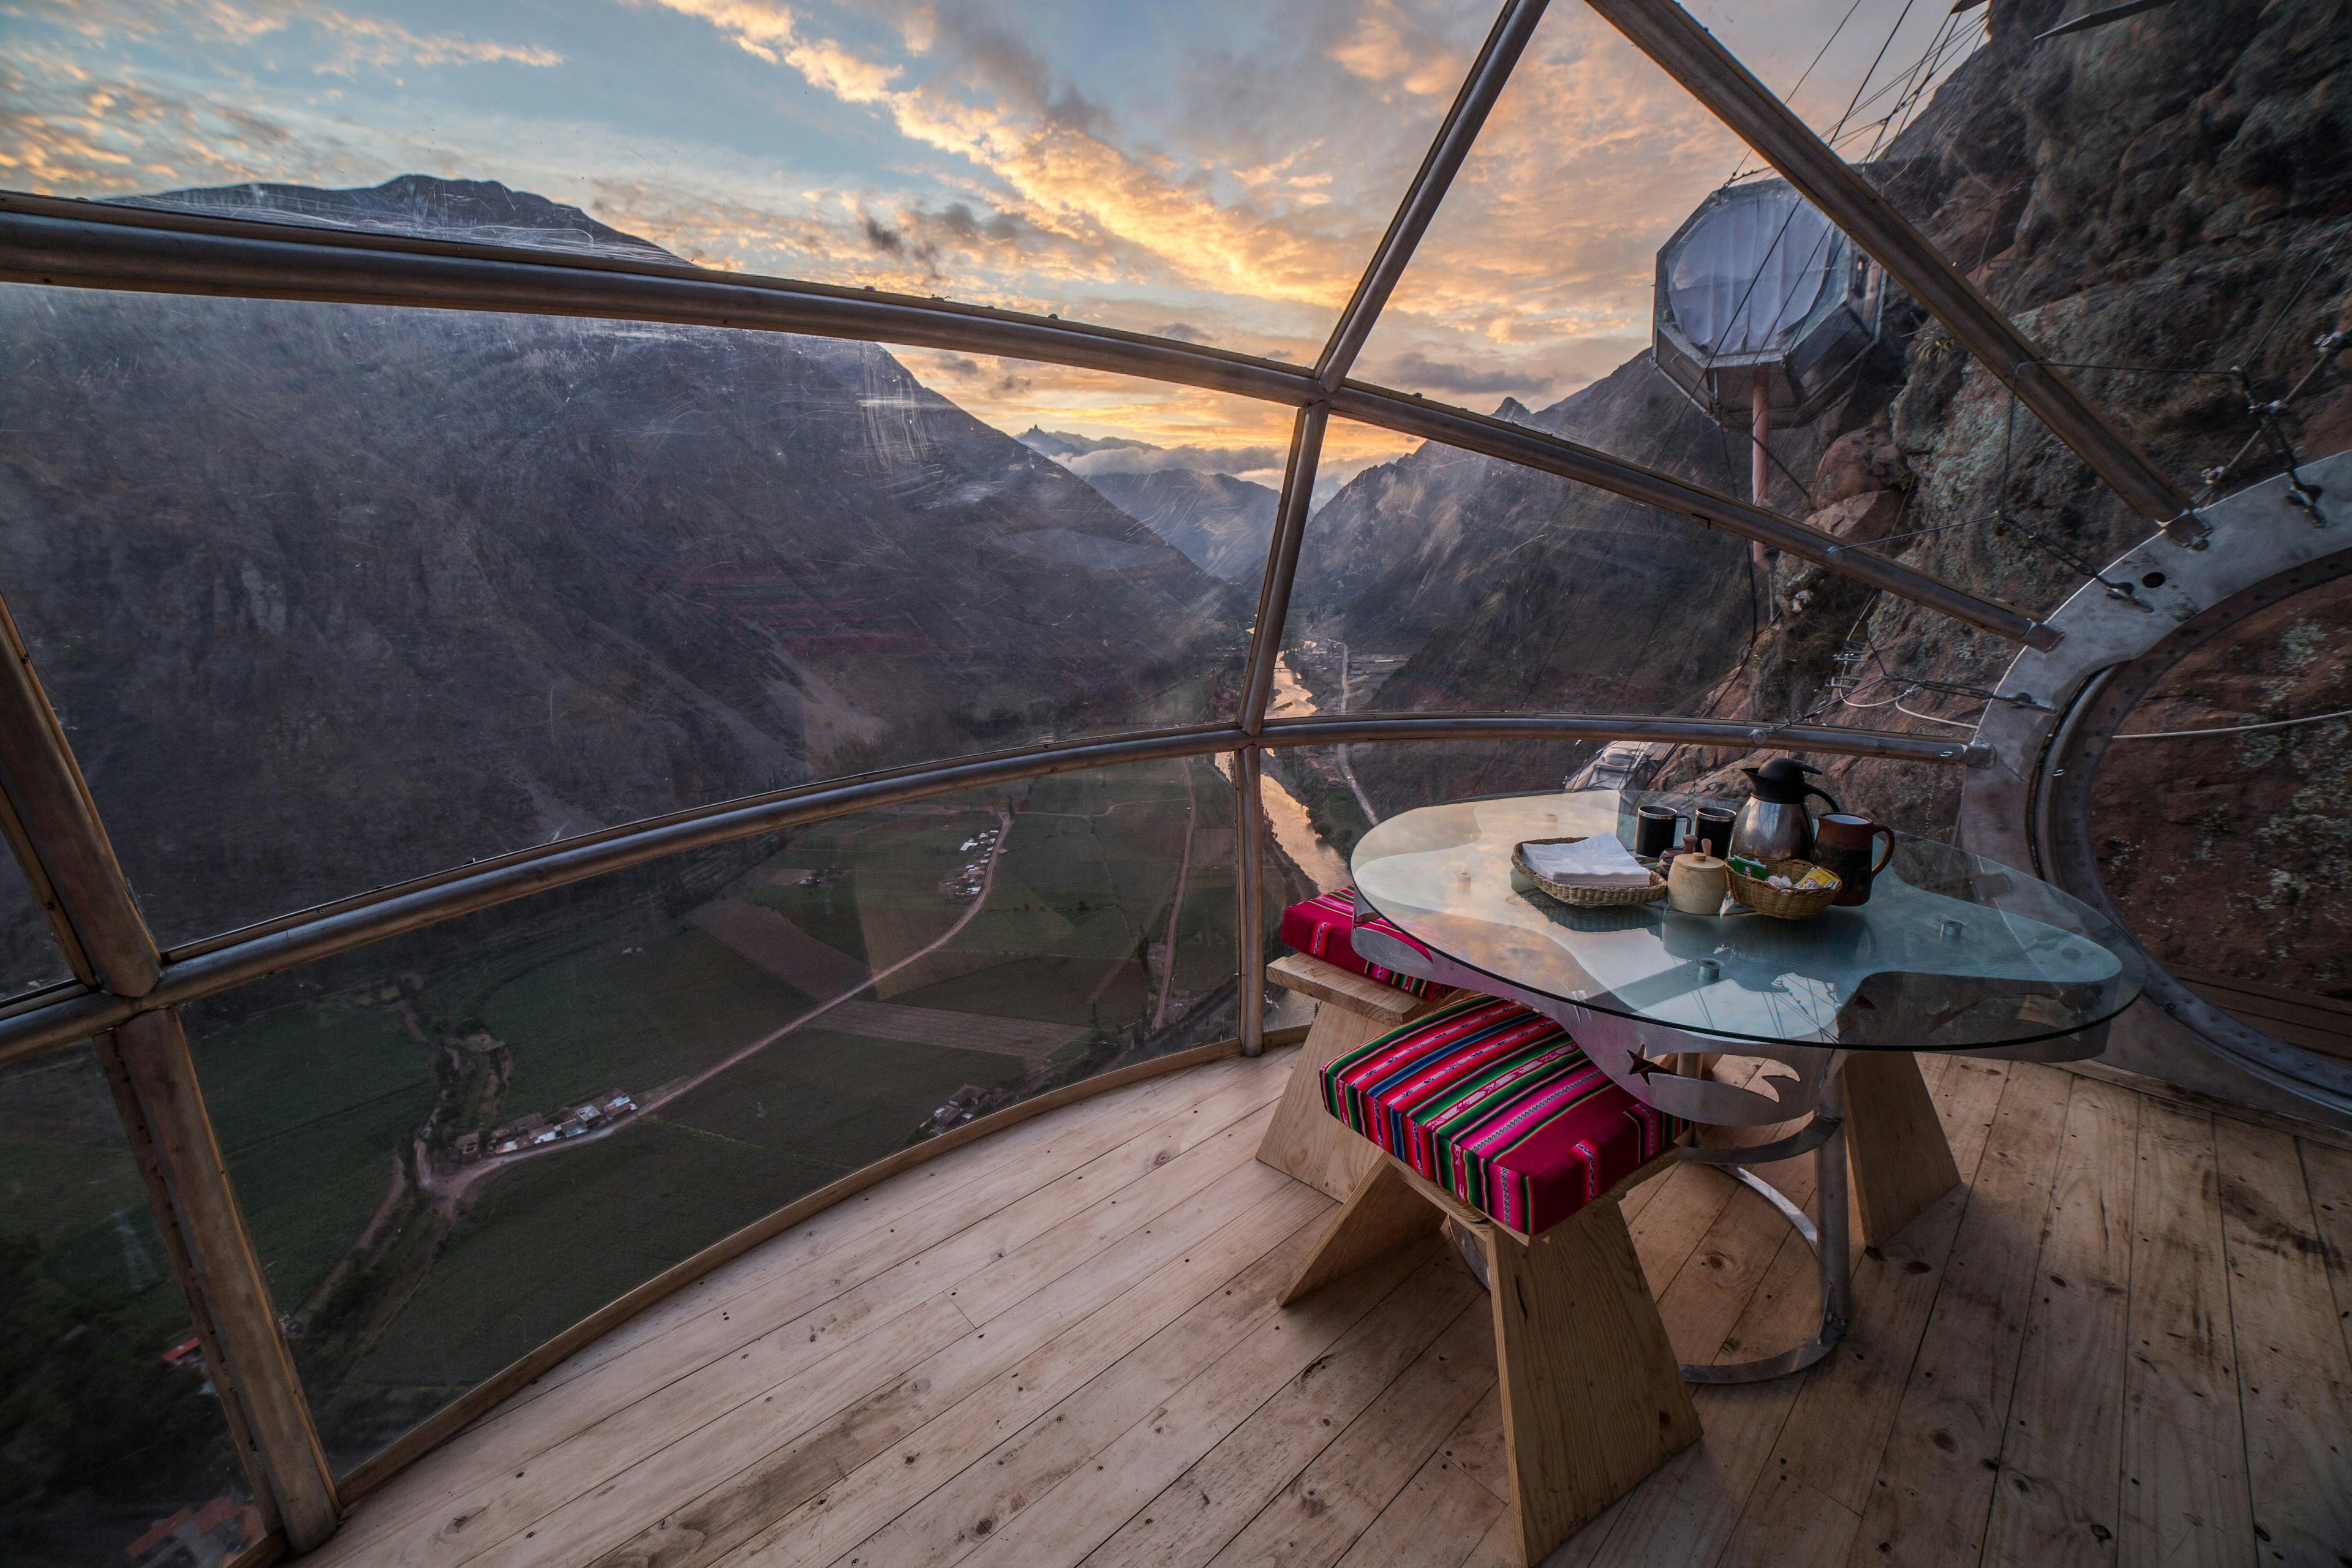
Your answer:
<point x="481" y="212"/>
<point x="1512" y="409"/>
<point x="1060" y="445"/>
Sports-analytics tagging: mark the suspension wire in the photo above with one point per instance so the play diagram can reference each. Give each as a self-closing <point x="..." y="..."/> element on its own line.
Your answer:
<point x="1790" y="96"/>
<point x="2234" y="729"/>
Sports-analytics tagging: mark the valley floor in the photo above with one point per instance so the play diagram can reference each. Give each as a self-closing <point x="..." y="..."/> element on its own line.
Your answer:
<point x="2124" y="1339"/>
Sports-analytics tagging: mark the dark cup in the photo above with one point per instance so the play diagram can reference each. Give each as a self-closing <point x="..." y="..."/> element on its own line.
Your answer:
<point x="1713" y="825"/>
<point x="1654" y="831"/>
<point x="1844" y="843"/>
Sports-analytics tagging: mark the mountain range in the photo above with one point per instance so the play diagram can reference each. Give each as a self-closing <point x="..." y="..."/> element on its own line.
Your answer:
<point x="328" y="596"/>
<point x="1221" y="522"/>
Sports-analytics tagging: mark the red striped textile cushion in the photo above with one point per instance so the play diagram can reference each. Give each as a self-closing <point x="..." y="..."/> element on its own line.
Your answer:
<point x="1493" y="1102"/>
<point x="1324" y="927"/>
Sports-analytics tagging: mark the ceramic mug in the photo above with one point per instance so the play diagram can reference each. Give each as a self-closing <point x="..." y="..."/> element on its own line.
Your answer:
<point x="1656" y="831"/>
<point x="1843" y="843"/>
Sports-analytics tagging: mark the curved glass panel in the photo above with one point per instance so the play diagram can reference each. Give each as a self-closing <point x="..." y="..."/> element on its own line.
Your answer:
<point x="1216" y="172"/>
<point x="2221" y="812"/>
<point x="1320" y="800"/>
<point x="1535" y="278"/>
<point x="333" y="596"/>
<point x="1445" y="581"/>
<point x="117" y="1449"/>
<point x="29" y="955"/>
<point x="1950" y="951"/>
<point x="452" y="1146"/>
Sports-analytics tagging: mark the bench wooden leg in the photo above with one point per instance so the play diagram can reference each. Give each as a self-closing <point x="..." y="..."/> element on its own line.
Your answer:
<point x="1894" y="1142"/>
<point x="1593" y="1399"/>
<point x="1303" y="1141"/>
<point x="1384" y="1212"/>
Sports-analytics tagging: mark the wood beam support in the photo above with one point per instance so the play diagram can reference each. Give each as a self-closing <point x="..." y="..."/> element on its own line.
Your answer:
<point x="151" y="1051"/>
<point x="1895" y="1143"/>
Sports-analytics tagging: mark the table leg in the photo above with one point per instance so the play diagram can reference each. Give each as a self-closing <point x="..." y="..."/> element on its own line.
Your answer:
<point x="1895" y="1140"/>
<point x="1832" y="1241"/>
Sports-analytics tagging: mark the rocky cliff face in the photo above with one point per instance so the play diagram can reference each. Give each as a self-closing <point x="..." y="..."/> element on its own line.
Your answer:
<point x="1500" y="589"/>
<point x="2174" y="192"/>
<point x="332" y="596"/>
<point x="2166" y="192"/>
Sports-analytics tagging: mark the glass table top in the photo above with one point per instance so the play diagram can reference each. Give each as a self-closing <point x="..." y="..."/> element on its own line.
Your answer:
<point x="1953" y="951"/>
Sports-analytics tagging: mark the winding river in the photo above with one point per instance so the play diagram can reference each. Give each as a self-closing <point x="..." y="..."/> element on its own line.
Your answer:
<point x="1324" y="864"/>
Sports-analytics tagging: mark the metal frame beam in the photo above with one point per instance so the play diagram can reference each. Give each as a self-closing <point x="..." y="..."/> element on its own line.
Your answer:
<point x="91" y="245"/>
<point x="1534" y="449"/>
<point x="1505" y="43"/>
<point x="224" y="963"/>
<point x="1688" y="52"/>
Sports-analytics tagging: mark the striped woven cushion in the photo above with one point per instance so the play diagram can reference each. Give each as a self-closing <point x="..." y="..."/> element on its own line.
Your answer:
<point x="1324" y="927"/>
<point x="1493" y="1102"/>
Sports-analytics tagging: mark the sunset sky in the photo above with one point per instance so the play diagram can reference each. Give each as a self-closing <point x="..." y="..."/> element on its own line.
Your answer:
<point x="1214" y="169"/>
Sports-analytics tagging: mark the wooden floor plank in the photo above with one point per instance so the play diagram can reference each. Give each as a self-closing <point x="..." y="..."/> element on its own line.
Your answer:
<point x="843" y="1274"/>
<point x="1434" y="1522"/>
<point x="1932" y="1491"/>
<point x="1087" y="1508"/>
<point x="982" y="1462"/>
<point x="1846" y="1405"/>
<point x="1787" y="1521"/>
<point x="2185" y="1499"/>
<point x="1475" y="1446"/>
<point x="732" y="1476"/>
<point x="1313" y="1522"/>
<point x="1002" y="1480"/>
<point x="1683" y="1513"/>
<point x="2327" y="1174"/>
<point x="930" y="1376"/>
<point x="629" y="1435"/>
<point x="1193" y="1518"/>
<point x="2294" y="1383"/>
<point x="2056" y="1500"/>
<point x="1002" y="1373"/>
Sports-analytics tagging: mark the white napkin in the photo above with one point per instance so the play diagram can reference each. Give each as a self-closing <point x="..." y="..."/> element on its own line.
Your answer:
<point x="1598" y="861"/>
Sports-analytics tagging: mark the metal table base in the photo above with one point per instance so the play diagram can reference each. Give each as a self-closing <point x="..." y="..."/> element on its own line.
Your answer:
<point x="1832" y="1241"/>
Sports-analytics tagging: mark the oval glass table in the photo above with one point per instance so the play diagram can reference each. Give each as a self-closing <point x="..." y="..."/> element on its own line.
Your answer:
<point x="1951" y="953"/>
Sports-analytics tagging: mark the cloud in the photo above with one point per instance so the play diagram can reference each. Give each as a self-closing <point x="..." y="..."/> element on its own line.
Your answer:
<point x="989" y="98"/>
<point x="1387" y="45"/>
<point x="1182" y="331"/>
<point x="1420" y="373"/>
<point x="1152" y="460"/>
<point x="350" y="41"/>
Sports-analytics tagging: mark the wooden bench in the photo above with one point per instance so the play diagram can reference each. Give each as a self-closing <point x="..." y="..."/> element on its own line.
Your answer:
<point x="1350" y="1011"/>
<point x="1593" y="1399"/>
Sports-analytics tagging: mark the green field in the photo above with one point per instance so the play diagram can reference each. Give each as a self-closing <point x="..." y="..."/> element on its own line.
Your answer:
<point x="578" y="997"/>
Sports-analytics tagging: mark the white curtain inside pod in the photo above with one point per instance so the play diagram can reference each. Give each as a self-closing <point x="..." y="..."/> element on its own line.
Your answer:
<point x="1749" y="272"/>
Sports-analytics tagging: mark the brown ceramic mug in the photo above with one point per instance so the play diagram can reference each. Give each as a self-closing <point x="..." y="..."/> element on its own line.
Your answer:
<point x="1843" y="843"/>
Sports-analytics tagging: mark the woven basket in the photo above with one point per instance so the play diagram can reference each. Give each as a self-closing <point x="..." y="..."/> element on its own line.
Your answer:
<point x="1783" y="903"/>
<point x="1583" y="898"/>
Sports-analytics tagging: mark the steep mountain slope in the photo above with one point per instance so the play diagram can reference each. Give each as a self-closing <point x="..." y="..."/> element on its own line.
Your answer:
<point x="1222" y="523"/>
<point x="1506" y="589"/>
<point x="332" y="596"/>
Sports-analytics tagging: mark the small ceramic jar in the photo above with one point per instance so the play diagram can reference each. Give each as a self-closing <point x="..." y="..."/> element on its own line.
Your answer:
<point x="1697" y="883"/>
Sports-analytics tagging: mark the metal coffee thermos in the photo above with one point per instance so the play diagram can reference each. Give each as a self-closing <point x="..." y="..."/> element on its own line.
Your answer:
<point x="1773" y="825"/>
